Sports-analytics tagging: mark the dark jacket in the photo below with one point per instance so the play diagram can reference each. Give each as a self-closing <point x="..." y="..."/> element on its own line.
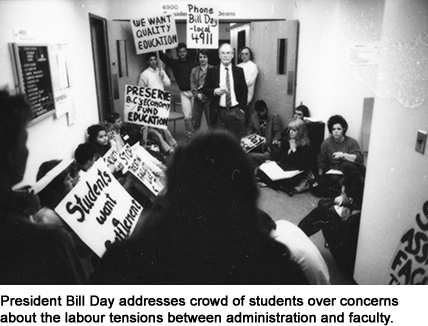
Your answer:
<point x="240" y="87"/>
<point x="273" y="127"/>
<point x="180" y="69"/>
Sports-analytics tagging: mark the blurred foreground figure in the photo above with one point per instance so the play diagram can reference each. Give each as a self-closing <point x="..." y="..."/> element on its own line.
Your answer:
<point x="205" y="229"/>
<point x="29" y="253"/>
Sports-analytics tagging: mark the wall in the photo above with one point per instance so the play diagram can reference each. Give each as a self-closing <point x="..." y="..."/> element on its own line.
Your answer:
<point x="326" y="83"/>
<point x="129" y="9"/>
<point x="397" y="179"/>
<point x="63" y="21"/>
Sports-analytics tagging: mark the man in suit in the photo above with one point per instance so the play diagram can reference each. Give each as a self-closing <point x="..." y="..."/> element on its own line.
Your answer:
<point x="226" y="85"/>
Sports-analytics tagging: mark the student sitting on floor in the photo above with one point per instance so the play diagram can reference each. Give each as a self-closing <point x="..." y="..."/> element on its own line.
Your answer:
<point x="97" y="135"/>
<point x="339" y="221"/>
<point x="339" y="154"/>
<point x="114" y="125"/>
<point x="268" y="125"/>
<point x="295" y="155"/>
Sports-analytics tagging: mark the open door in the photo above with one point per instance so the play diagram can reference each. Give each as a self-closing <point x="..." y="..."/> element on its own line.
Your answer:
<point x="125" y="64"/>
<point x="274" y="45"/>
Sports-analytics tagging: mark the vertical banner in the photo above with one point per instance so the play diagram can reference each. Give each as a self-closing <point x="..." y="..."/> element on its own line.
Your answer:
<point x="99" y="209"/>
<point x="154" y="33"/>
<point x="147" y="106"/>
<point x="202" y="27"/>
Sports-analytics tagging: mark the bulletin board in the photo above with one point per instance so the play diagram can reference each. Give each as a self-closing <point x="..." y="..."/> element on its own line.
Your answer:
<point x="33" y="78"/>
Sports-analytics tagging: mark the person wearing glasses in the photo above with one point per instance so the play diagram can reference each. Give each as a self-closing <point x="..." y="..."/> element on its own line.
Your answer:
<point x="225" y="85"/>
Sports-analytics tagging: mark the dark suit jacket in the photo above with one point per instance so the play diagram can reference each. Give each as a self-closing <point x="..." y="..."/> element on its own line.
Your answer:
<point x="212" y="82"/>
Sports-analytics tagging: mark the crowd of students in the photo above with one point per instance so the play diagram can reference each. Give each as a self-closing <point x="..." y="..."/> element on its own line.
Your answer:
<point x="205" y="227"/>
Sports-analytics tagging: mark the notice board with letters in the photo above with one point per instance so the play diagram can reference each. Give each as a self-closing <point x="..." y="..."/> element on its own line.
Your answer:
<point x="33" y="78"/>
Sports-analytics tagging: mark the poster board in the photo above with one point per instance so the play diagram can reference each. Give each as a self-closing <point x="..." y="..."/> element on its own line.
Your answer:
<point x="99" y="209"/>
<point x="147" y="106"/>
<point x="33" y="78"/>
<point x="202" y="27"/>
<point x="154" y="33"/>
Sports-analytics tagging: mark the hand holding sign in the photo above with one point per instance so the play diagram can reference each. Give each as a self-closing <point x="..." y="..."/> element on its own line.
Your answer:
<point x="99" y="209"/>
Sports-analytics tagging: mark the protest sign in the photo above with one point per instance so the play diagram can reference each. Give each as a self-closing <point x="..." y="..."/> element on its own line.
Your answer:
<point x="202" y="27"/>
<point x="248" y="143"/>
<point x="147" y="106"/>
<point x="154" y="33"/>
<point x="110" y="159"/>
<point x="99" y="209"/>
<point x="138" y="166"/>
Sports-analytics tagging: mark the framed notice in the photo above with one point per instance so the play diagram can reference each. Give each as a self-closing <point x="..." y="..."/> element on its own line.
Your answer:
<point x="33" y="78"/>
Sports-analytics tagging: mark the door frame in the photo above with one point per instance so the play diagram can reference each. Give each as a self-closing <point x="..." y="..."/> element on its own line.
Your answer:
<point x="101" y="57"/>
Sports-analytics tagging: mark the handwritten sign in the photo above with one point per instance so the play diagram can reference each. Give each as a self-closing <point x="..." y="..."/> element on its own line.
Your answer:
<point x="154" y="33"/>
<point x="409" y="263"/>
<point x="137" y="165"/>
<point x="202" y="27"/>
<point x="147" y="106"/>
<point x="111" y="159"/>
<point x="248" y="143"/>
<point x="99" y="209"/>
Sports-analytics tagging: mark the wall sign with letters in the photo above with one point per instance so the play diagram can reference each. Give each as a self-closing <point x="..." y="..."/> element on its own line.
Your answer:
<point x="33" y="78"/>
<point x="410" y="262"/>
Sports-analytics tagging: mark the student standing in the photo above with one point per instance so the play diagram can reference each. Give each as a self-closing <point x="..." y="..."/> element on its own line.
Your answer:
<point x="197" y="80"/>
<point x="182" y="68"/>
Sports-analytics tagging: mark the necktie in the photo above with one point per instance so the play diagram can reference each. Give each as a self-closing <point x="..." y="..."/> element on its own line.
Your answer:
<point x="228" y="98"/>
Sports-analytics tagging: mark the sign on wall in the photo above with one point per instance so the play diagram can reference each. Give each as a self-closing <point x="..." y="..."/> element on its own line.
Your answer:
<point x="147" y="106"/>
<point x="202" y="27"/>
<point x="409" y="264"/>
<point x="154" y="33"/>
<point x="99" y="209"/>
<point x="33" y="77"/>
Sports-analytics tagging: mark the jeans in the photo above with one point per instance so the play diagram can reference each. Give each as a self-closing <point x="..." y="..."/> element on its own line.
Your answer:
<point x="187" y="107"/>
<point x="198" y="108"/>
<point x="163" y="138"/>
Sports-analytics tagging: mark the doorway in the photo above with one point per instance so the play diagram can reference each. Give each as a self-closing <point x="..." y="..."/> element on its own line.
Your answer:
<point x="98" y="27"/>
<point x="274" y="45"/>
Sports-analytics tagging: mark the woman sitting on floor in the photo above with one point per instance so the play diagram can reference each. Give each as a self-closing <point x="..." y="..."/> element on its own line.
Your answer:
<point x="295" y="155"/>
<point x="339" y="155"/>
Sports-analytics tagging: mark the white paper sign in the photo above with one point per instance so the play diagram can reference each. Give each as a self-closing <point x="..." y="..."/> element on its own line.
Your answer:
<point x="154" y="33"/>
<point x="137" y="165"/>
<point x="99" y="209"/>
<point x="202" y="27"/>
<point x="147" y="106"/>
<point x="248" y="143"/>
